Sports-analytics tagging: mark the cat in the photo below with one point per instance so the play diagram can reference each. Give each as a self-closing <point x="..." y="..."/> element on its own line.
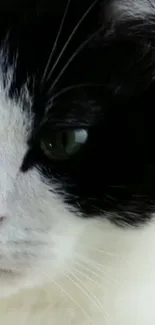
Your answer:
<point x="77" y="166"/>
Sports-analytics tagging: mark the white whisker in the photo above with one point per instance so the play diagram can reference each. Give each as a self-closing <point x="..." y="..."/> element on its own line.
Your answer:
<point x="79" y="49"/>
<point x="69" y="296"/>
<point x="70" y="38"/>
<point x="104" y="272"/>
<point x="89" y="248"/>
<point x="91" y="262"/>
<point x="86" y="276"/>
<point x="88" y="269"/>
<point x="56" y="42"/>
<point x="88" y="293"/>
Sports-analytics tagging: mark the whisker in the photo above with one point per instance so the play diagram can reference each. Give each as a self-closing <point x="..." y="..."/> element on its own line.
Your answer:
<point x="86" y="276"/>
<point x="66" y="89"/>
<point x="88" y="269"/>
<point x="89" y="248"/>
<point x="86" y="292"/>
<point x="56" y="42"/>
<point x="105" y="273"/>
<point x="70" y="37"/>
<point x="106" y="253"/>
<point x="69" y="296"/>
<point x="99" y="265"/>
<point x="73" y="56"/>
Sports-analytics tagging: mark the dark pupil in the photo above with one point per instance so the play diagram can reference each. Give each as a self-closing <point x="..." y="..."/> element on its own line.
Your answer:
<point x="64" y="140"/>
<point x="64" y="144"/>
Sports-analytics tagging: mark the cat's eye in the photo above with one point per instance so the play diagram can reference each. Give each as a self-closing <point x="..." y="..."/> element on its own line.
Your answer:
<point x="63" y="144"/>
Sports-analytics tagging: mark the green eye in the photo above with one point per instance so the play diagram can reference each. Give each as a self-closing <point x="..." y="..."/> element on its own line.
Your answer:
<point x="62" y="145"/>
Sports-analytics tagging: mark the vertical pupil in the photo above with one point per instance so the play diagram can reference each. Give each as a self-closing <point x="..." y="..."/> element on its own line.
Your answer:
<point x="64" y="139"/>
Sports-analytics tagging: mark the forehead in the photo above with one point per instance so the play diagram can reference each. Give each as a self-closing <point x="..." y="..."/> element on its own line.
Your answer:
<point x="40" y="47"/>
<point x="41" y="41"/>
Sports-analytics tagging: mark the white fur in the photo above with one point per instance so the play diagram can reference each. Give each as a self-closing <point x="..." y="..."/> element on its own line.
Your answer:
<point x="114" y="275"/>
<point x="70" y="270"/>
<point x="30" y="211"/>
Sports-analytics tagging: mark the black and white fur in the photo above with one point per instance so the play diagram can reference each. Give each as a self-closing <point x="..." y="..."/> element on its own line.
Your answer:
<point x="77" y="237"/>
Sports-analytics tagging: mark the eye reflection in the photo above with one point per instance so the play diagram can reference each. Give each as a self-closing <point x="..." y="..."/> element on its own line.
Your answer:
<point x="63" y="144"/>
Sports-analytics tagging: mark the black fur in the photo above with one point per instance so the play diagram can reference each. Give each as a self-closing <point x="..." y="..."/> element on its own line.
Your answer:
<point x="114" y="173"/>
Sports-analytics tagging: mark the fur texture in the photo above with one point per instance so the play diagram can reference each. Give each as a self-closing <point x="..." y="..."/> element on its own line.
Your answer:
<point x="122" y="10"/>
<point x="77" y="235"/>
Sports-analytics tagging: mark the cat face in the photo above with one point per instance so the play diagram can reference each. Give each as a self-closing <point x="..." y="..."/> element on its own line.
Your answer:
<point x="74" y="84"/>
